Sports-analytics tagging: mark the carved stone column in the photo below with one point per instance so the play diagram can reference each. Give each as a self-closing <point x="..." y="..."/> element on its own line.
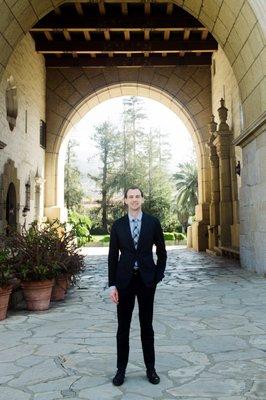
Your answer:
<point x="215" y="188"/>
<point x="223" y="143"/>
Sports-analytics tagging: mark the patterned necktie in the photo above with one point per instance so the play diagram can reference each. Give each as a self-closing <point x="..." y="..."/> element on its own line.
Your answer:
<point x="135" y="232"/>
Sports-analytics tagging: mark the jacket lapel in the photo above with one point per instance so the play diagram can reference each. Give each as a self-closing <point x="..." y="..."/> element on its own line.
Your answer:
<point x="143" y="229"/>
<point x="128" y="231"/>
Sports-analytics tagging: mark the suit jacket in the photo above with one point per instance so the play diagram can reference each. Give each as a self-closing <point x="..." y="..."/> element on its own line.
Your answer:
<point x="122" y="252"/>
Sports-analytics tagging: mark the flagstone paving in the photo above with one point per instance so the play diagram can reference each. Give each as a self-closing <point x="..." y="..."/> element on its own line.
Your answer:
<point x="210" y="336"/>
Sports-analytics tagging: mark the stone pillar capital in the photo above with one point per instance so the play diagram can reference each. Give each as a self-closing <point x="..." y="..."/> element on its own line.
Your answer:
<point x="223" y="112"/>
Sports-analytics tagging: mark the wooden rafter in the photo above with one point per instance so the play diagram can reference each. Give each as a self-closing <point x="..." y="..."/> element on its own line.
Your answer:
<point x="127" y="35"/>
<point x="147" y="8"/>
<point x="122" y="33"/>
<point x="101" y="5"/>
<point x="66" y="35"/>
<point x="121" y="46"/>
<point x="124" y="8"/>
<point x="79" y="8"/>
<point x="169" y="8"/>
<point x="204" y="34"/>
<point x="146" y="34"/>
<point x="48" y="36"/>
<point x="107" y="34"/>
<point x="166" y="35"/>
<point x="152" y="60"/>
<point x="135" y="23"/>
<point x="87" y="35"/>
<point x="186" y="34"/>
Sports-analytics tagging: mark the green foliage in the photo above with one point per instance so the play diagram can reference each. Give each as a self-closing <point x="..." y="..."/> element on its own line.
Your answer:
<point x="44" y="251"/>
<point x="105" y="239"/>
<point x="169" y="236"/>
<point x="107" y="142"/>
<point x="179" y="236"/>
<point x="6" y="268"/>
<point x="73" y="189"/>
<point x="81" y="225"/>
<point x="186" y="180"/>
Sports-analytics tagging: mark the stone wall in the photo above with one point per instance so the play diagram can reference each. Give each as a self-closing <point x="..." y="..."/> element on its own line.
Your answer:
<point x="22" y="143"/>
<point x="253" y="203"/>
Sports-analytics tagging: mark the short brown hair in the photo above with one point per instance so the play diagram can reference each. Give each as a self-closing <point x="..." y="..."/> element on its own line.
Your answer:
<point x="133" y="188"/>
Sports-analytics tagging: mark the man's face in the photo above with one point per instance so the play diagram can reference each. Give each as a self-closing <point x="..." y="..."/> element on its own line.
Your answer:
<point x="134" y="200"/>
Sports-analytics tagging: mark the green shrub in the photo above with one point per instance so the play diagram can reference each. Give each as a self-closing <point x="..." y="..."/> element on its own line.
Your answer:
<point x="81" y="225"/>
<point x="169" y="236"/>
<point x="179" y="236"/>
<point x="105" y="239"/>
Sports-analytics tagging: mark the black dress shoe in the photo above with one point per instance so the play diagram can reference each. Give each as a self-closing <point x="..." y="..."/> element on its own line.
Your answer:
<point x="119" y="377"/>
<point x="153" y="377"/>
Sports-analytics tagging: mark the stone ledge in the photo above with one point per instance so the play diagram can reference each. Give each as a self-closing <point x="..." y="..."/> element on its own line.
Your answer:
<point x="252" y="131"/>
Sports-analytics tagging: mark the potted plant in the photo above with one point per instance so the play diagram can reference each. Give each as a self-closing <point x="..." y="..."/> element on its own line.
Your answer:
<point x="36" y="263"/>
<point x="6" y="276"/>
<point x="71" y="263"/>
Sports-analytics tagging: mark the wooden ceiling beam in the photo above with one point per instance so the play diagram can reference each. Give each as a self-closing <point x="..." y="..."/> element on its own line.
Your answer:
<point x="66" y="35"/>
<point x="166" y="35"/>
<point x="204" y="34"/>
<point x="127" y="35"/>
<point x="169" y="8"/>
<point x="48" y="36"/>
<point x="121" y="46"/>
<point x="186" y="34"/>
<point x="132" y="22"/>
<point x="147" y="8"/>
<point x="124" y="8"/>
<point x="101" y="6"/>
<point x="87" y="35"/>
<point x="79" y="8"/>
<point x="125" y="61"/>
<point x="107" y="34"/>
<point x="146" y="34"/>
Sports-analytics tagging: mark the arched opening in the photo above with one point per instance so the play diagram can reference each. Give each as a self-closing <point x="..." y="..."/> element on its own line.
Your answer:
<point x="199" y="134"/>
<point x="11" y="208"/>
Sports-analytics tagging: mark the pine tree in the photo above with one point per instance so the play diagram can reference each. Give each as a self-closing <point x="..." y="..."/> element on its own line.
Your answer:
<point x="105" y="137"/>
<point x="73" y="188"/>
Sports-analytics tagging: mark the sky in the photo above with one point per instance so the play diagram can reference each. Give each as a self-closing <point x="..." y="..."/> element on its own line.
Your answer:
<point x="159" y="116"/>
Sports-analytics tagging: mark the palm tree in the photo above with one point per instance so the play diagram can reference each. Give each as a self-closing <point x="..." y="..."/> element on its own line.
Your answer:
<point x="186" y="181"/>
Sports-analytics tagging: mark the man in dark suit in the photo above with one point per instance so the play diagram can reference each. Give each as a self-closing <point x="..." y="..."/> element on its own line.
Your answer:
<point x="132" y="272"/>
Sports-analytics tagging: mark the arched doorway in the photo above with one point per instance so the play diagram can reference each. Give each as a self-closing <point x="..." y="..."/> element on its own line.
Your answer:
<point x="196" y="126"/>
<point x="11" y="208"/>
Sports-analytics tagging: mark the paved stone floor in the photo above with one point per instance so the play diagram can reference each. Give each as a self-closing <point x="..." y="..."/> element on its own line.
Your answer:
<point x="210" y="324"/>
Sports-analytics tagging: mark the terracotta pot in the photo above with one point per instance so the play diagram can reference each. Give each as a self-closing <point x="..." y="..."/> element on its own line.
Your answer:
<point x="38" y="294"/>
<point x="4" y="300"/>
<point x="60" y="288"/>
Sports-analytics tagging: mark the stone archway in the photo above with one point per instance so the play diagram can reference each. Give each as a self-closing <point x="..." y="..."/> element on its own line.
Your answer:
<point x="238" y="26"/>
<point x="71" y="93"/>
<point x="9" y="195"/>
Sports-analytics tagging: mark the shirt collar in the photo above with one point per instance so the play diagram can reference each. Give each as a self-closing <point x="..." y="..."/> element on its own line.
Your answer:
<point x="138" y="218"/>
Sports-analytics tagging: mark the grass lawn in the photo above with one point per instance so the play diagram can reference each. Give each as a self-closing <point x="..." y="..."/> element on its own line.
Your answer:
<point x="103" y="241"/>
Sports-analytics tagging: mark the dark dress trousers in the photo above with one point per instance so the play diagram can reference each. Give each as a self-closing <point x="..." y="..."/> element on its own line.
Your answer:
<point x="141" y="284"/>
